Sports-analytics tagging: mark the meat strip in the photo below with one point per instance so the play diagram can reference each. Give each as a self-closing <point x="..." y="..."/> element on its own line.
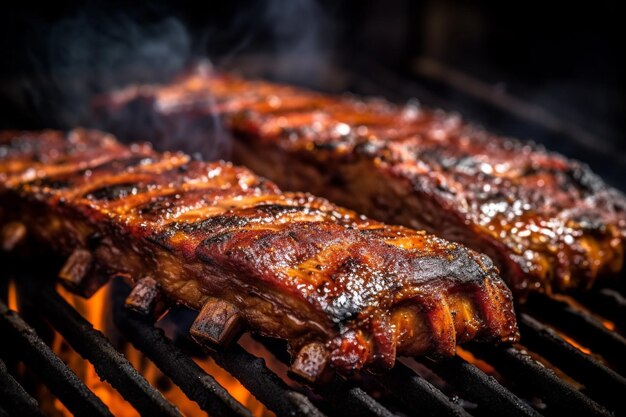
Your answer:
<point x="291" y="265"/>
<point x="549" y="223"/>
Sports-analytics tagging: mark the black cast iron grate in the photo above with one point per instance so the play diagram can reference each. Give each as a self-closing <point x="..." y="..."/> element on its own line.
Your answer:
<point x="584" y="384"/>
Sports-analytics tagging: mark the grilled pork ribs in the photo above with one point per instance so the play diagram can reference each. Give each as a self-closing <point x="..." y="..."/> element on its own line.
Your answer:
<point x="291" y="265"/>
<point x="549" y="223"/>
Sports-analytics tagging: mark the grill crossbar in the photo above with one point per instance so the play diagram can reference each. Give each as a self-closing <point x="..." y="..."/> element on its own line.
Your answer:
<point x="601" y="382"/>
<point x="560" y="396"/>
<point x="482" y="389"/>
<point x="582" y="326"/>
<point x="14" y="399"/>
<point x="110" y="364"/>
<point x="172" y="361"/>
<point x="59" y="379"/>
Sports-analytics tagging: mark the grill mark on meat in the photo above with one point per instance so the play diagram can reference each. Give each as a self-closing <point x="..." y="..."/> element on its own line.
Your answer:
<point x="115" y="191"/>
<point x="294" y="265"/>
<point x="209" y="225"/>
<point x="63" y="181"/>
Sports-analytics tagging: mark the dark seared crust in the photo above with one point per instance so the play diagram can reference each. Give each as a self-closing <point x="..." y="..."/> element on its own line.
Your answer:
<point x="548" y="222"/>
<point x="295" y="265"/>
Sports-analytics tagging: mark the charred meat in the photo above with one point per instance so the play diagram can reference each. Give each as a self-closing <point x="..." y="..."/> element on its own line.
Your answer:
<point x="549" y="223"/>
<point x="225" y="241"/>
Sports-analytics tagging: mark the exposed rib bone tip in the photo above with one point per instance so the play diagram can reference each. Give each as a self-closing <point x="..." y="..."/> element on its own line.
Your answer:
<point x="218" y="323"/>
<point x="80" y="275"/>
<point x="144" y="296"/>
<point x="311" y="363"/>
<point x="12" y="234"/>
<point x="76" y="268"/>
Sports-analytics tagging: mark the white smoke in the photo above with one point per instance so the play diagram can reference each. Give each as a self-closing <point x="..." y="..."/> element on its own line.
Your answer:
<point x="88" y="53"/>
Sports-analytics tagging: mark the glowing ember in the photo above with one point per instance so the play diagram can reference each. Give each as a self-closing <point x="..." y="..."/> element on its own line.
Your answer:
<point x="608" y="324"/>
<point x="12" y="296"/>
<point x="573" y="302"/>
<point x="480" y="364"/>
<point x="575" y="344"/>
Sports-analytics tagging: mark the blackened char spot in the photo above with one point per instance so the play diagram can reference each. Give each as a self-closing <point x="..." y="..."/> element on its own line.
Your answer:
<point x="378" y="231"/>
<point x="337" y="180"/>
<point x="458" y="267"/>
<point x="114" y="192"/>
<point x="52" y="182"/>
<point x="276" y="209"/>
<point x="204" y="254"/>
<point x="161" y="239"/>
<point x="159" y="205"/>
<point x="210" y="225"/>
<point x="217" y="239"/>
<point x="327" y="146"/>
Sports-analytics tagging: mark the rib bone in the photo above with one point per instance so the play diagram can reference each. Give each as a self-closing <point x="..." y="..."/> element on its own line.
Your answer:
<point x="79" y="274"/>
<point x="311" y="363"/>
<point x="217" y="323"/>
<point x="76" y="268"/>
<point x="144" y="297"/>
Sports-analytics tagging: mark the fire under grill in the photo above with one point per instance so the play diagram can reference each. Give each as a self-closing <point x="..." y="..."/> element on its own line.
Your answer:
<point x="570" y="360"/>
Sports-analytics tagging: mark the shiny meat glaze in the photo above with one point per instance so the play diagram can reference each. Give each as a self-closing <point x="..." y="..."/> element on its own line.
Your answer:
<point x="548" y="222"/>
<point x="296" y="266"/>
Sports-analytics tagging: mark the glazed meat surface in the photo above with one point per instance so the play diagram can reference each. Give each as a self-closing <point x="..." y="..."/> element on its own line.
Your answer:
<point x="295" y="266"/>
<point x="549" y="223"/>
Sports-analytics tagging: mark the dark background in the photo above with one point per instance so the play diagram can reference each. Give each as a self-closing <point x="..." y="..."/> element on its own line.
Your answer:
<point x="550" y="72"/>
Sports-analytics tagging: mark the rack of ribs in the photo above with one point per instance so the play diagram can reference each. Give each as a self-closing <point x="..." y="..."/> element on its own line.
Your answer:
<point x="346" y="292"/>
<point x="549" y="223"/>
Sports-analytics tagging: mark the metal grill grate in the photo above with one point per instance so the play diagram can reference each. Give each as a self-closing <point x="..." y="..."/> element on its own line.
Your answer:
<point x="525" y="387"/>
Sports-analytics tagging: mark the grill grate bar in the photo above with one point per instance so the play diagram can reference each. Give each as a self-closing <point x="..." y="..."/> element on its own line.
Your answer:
<point x="560" y="397"/>
<point x="262" y="382"/>
<point x="340" y="397"/>
<point x="92" y="345"/>
<point x="179" y="367"/>
<point x="351" y="401"/>
<point x="411" y="389"/>
<point x="608" y="303"/>
<point x="581" y="326"/>
<point x="602" y="383"/>
<point x="492" y="398"/>
<point x="14" y="398"/>
<point x="61" y="381"/>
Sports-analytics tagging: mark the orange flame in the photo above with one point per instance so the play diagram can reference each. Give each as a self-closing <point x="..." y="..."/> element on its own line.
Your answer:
<point x="96" y="310"/>
<point x="479" y="363"/>
<point x="12" y="296"/>
<point x="576" y="344"/>
<point x="573" y="302"/>
<point x="608" y="324"/>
